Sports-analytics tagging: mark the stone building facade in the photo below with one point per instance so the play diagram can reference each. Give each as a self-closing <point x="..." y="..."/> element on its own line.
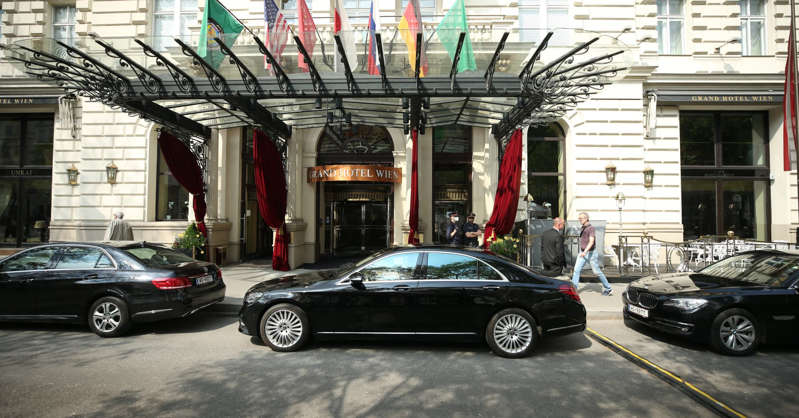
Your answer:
<point x="700" y="105"/>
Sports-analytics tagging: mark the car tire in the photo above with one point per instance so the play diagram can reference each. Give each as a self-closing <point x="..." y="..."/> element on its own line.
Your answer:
<point x="735" y="332"/>
<point x="512" y="333"/>
<point x="285" y="327"/>
<point x="108" y="317"/>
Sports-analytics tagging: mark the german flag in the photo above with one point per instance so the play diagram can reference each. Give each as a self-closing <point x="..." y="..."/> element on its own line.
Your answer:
<point x="409" y="26"/>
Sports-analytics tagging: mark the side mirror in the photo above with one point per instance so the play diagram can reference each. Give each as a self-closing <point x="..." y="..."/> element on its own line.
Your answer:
<point x="356" y="281"/>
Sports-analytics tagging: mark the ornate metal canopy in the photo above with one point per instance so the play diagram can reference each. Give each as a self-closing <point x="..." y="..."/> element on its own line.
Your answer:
<point x="517" y="82"/>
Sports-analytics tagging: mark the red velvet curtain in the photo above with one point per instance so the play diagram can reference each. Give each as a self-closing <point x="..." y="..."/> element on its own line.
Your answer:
<point x="507" y="198"/>
<point x="270" y="186"/>
<point x="414" y="215"/>
<point x="183" y="165"/>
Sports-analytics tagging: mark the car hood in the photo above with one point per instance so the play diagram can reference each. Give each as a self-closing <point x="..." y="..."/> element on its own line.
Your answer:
<point x="299" y="281"/>
<point x="685" y="283"/>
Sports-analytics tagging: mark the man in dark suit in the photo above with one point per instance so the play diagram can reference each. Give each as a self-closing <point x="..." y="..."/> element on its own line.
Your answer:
<point x="552" y="254"/>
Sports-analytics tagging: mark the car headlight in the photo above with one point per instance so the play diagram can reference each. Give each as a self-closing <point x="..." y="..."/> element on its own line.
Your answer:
<point x="686" y="304"/>
<point x="252" y="297"/>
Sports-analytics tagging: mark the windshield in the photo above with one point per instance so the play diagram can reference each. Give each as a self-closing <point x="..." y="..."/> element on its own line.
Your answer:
<point x="758" y="268"/>
<point x="153" y="256"/>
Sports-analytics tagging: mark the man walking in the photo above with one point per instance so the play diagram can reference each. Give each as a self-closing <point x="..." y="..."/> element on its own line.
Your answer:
<point x="118" y="229"/>
<point x="454" y="230"/>
<point x="471" y="231"/>
<point x="588" y="253"/>
<point x="552" y="253"/>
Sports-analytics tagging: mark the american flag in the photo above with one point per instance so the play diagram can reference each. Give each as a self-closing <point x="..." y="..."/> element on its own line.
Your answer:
<point x="277" y="30"/>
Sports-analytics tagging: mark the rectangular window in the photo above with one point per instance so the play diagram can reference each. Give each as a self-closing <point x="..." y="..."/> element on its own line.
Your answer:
<point x="725" y="176"/>
<point x="428" y="9"/>
<point x="171" y="19"/>
<point x="1" y="21"/>
<point x="172" y="200"/>
<point x="537" y="17"/>
<point x="289" y="9"/>
<point x="753" y="22"/>
<point x="64" y="24"/>
<point x="670" y="26"/>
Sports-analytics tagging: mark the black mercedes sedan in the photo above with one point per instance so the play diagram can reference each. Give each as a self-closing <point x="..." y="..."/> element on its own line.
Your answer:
<point x="417" y="292"/>
<point x="108" y="285"/>
<point x="734" y="304"/>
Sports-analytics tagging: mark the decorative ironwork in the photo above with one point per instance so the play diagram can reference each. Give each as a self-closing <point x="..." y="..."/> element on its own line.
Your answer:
<point x="148" y="80"/>
<point x="455" y="59"/>
<point x="316" y="79"/>
<point x="489" y="74"/>
<point x="249" y="79"/>
<point x="382" y="60"/>
<point x="218" y="83"/>
<point x="351" y="84"/>
<point x="184" y="82"/>
<point x="282" y="79"/>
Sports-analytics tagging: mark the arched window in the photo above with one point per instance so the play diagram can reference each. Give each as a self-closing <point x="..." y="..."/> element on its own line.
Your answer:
<point x="546" y="167"/>
<point x="360" y="144"/>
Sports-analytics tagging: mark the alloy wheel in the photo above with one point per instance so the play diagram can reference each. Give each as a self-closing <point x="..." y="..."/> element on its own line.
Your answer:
<point x="513" y="333"/>
<point x="737" y="333"/>
<point x="107" y="316"/>
<point x="283" y="328"/>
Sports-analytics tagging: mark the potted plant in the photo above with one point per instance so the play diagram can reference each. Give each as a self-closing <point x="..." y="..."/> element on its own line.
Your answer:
<point x="191" y="242"/>
<point x="506" y="246"/>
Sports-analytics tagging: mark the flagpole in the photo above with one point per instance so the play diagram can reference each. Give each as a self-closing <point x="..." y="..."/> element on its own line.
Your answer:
<point x="795" y="104"/>
<point x="239" y="20"/>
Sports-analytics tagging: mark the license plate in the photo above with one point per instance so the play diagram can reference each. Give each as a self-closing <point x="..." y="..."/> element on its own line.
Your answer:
<point x="204" y="279"/>
<point x="638" y="311"/>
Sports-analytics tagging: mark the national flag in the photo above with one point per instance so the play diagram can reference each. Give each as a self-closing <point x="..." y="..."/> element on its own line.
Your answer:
<point x="343" y="29"/>
<point x="307" y="30"/>
<point x="789" y="129"/>
<point x="449" y="30"/>
<point x="372" y="60"/>
<point x="409" y="26"/>
<point x="277" y="30"/>
<point x="218" y="22"/>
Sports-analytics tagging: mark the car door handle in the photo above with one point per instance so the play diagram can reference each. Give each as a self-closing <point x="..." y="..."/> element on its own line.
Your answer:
<point x="491" y="287"/>
<point x="91" y="276"/>
<point x="401" y="287"/>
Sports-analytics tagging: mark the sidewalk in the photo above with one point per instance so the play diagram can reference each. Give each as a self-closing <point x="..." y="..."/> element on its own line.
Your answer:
<point x="240" y="277"/>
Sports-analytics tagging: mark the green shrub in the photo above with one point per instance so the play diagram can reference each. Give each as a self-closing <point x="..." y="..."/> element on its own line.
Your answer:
<point x="506" y="246"/>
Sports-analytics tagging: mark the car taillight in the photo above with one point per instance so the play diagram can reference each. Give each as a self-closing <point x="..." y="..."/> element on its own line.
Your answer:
<point x="168" y="283"/>
<point x="219" y="274"/>
<point x="569" y="291"/>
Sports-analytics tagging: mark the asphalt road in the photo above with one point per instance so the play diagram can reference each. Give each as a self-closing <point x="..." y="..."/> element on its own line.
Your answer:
<point x="202" y="366"/>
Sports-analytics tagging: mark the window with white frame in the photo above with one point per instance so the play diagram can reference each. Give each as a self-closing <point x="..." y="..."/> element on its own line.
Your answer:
<point x="64" y="24"/>
<point x="289" y="9"/>
<point x="171" y="19"/>
<point x="1" y="21"/>
<point x="537" y="17"/>
<point x="357" y="10"/>
<point x="753" y="22"/>
<point x="428" y="9"/>
<point x="671" y="21"/>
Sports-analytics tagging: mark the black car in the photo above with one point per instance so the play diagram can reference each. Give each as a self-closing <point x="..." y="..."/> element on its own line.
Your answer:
<point x="734" y="304"/>
<point x="418" y="292"/>
<point x="105" y="285"/>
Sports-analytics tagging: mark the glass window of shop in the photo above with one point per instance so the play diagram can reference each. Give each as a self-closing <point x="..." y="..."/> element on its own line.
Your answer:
<point x="26" y="160"/>
<point x="171" y="199"/>
<point x="546" y="167"/>
<point x="725" y="174"/>
<point x="452" y="176"/>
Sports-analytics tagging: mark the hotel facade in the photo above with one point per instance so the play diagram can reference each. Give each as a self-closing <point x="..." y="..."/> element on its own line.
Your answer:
<point x="698" y="107"/>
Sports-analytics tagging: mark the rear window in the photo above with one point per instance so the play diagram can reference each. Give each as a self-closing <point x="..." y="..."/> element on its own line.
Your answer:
<point x="158" y="256"/>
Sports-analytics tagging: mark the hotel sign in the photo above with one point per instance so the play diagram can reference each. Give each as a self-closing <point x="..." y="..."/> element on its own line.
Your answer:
<point x="16" y="101"/>
<point x="373" y="173"/>
<point x="720" y="99"/>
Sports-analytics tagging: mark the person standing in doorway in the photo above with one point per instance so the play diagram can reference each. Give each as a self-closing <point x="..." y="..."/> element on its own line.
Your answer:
<point x="118" y="229"/>
<point x="589" y="254"/>
<point x="454" y="230"/>
<point x="471" y="231"/>
<point x="552" y="253"/>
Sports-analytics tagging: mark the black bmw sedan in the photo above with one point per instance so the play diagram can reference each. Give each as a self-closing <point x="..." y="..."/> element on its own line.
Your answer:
<point x="108" y="286"/>
<point x="734" y="304"/>
<point x="418" y="292"/>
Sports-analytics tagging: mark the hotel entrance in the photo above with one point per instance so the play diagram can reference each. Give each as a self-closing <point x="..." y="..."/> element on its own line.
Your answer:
<point x="357" y="219"/>
<point x="354" y="180"/>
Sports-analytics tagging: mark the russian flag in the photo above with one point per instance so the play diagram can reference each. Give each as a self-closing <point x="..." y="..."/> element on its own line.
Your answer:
<point x="373" y="62"/>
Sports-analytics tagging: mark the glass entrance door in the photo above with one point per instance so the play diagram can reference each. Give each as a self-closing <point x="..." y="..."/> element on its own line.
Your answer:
<point x="359" y="227"/>
<point x="24" y="211"/>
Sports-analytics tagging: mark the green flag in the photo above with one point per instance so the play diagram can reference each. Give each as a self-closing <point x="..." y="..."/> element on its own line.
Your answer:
<point x="218" y="22"/>
<point x="450" y="28"/>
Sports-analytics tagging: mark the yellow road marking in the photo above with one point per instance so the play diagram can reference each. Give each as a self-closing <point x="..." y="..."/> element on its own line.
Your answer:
<point x="667" y="373"/>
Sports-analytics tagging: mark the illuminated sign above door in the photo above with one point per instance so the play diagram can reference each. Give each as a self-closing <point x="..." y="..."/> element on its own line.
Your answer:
<point x="371" y="173"/>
